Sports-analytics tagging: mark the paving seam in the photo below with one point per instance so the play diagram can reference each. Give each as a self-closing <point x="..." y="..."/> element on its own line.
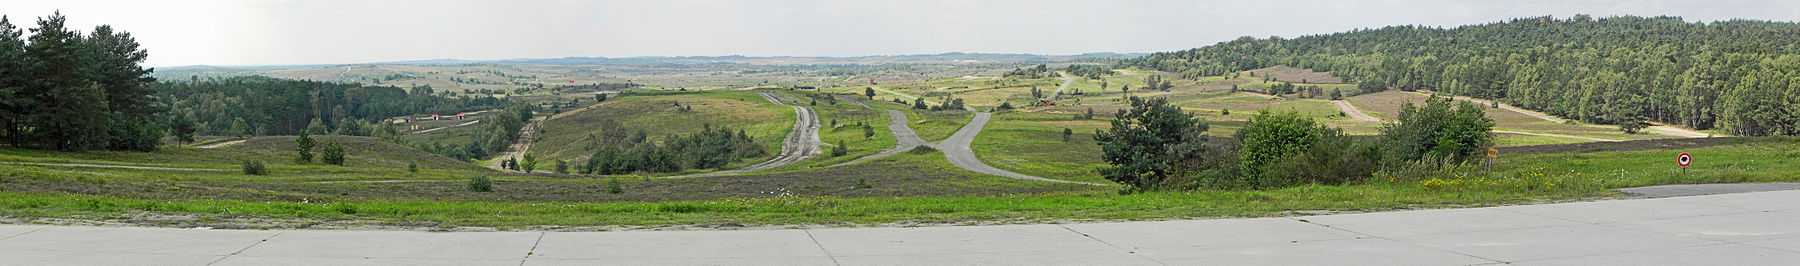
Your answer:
<point x="33" y="230"/>
<point x="1409" y="243"/>
<point x="241" y="250"/>
<point x="1110" y="244"/>
<point x="534" y="246"/>
<point x="822" y="249"/>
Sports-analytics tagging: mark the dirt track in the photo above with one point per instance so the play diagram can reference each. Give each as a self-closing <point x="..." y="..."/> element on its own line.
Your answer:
<point x="904" y="139"/>
<point x="801" y="143"/>
<point x="1354" y="113"/>
<point x="956" y="149"/>
<point x="1658" y="129"/>
<point x="223" y="144"/>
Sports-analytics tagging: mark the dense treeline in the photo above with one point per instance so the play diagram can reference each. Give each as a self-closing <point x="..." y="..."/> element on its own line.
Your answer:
<point x="1740" y="76"/>
<point x="1089" y="71"/>
<point x="1039" y="71"/>
<point x="65" y="90"/>
<point x="255" y="105"/>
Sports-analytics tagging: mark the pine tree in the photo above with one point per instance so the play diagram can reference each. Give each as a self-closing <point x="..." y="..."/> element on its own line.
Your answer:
<point x="71" y="111"/>
<point x="303" y="146"/>
<point x="14" y="102"/>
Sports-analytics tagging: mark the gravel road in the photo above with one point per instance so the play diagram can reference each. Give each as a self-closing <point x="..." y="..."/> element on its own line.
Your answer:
<point x="956" y="148"/>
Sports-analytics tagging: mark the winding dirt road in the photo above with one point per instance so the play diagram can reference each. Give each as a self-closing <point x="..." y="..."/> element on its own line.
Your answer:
<point x="1658" y="129"/>
<point x="904" y="139"/>
<point x="1066" y="80"/>
<point x="956" y="149"/>
<point x="1356" y="114"/>
<point x="223" y="144"/>
<point x="801" y="143"/>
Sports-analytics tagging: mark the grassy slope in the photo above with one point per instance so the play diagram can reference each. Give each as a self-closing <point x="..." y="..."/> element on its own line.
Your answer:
<point x="1032" y="143"/>
<point x="1522" y="179"/>
<point x="1386" y="105"/>
<point x="848" y="115"/>
<point x="565" y="138"/>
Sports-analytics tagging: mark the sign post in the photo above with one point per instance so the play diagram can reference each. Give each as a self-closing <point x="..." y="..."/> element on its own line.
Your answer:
<point x="1684" y="160"/>
<point x="1492" y="155"/>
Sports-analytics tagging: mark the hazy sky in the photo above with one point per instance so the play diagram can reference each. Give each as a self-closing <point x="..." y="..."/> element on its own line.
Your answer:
<point x="258" y="32"/>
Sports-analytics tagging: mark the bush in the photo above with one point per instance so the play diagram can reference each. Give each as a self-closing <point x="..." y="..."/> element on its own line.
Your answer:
<point x="613" y="186"/>
<point x="481" y="183"/>
<point x="412" y="166"/>
<point x="1437" y="130"/>
<point x="252" y="167"/>
<point x="530" y="163"/>
<point x="1333" y="159"/>
<point x="334" y="154"/>
<point x="1269" y="138"/>
<point x="562" y="166"/>
<point x="840" y="150"/>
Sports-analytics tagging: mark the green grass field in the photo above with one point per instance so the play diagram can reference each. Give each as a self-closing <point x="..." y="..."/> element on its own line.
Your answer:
<point x="1032" y="143"/>
<point x="660" y="116"/>
<point x="1522" y="178"/>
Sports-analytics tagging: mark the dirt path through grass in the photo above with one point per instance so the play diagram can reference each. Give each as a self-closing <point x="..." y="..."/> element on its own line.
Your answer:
<point x="1658" y="129"/>
<point x="956" y="149"/>
<point x="801" y="143"/>
<point x="904" y="139"/>
<point x="1066" y="81"/>
<point x="1354" y="113"/>
<point x="435" y="129"/>
<point x="223" y="144"/>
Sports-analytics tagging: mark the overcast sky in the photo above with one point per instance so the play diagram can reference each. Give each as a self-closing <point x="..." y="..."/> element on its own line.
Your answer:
<point x="264" y="32"/>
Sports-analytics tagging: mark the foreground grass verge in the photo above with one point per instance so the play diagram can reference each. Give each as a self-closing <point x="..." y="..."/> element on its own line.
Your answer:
<point x="1525" y="178"/>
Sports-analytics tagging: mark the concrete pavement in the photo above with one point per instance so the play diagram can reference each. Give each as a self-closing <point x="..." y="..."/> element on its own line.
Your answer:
<point x="1730" y="229"/>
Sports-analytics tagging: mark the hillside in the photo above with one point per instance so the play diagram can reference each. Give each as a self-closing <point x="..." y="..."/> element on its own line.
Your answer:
<point x="1734" y="76"/>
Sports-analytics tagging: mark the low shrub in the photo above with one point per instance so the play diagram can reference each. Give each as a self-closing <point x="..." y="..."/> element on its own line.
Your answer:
<point x="481" y="183"/>
<point x="252" y="167"/>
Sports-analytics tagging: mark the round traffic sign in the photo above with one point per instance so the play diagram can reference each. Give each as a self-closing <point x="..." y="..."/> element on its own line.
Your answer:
<point x="1684" y="160"/>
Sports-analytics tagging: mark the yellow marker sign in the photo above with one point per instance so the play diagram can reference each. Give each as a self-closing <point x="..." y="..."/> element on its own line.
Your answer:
<point x="1493" y="153"/>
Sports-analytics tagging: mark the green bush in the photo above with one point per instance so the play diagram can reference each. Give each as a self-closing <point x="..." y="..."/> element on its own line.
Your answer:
<point x="481" y="183"/>
<point x="1333" y="159"/>
<point x="334" y="154"/>
<point x="613" y="186"/>
<point x="840" y="149"/>
<point x="1269" y="138"/>
<point x="1443" y="129"/>
<point x="412" y="166"/>
<point x="252" y="167"/>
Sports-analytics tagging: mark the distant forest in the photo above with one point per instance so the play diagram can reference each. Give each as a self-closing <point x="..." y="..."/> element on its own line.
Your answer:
<point x="1740" y="76"/>
<point x="61" y="89"/>
<point x="270" y="106"/>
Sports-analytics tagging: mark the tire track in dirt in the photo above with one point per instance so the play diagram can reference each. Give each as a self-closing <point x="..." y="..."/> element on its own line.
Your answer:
<point x="800" y="144"/>
<point x="1357" y="114"/>
<point x="905" y="139"/>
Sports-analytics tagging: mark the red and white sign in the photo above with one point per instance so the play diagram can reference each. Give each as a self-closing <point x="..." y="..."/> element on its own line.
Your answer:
<point x="1684" y="160"/>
